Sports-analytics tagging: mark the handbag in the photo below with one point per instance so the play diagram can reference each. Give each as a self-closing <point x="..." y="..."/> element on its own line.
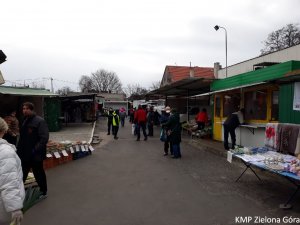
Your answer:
<point x="163" y="136"/>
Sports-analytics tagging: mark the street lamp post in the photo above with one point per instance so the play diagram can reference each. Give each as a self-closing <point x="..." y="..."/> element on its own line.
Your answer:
<point x="217" y="27"/>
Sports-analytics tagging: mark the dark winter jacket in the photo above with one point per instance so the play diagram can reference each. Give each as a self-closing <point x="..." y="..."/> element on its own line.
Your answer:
<point x="150" y="117"/>
<point x="34" y="136"/>
<point x="232" y="121"/>
<point x="109" y="116"/>
<point x="164" y="117"/>
<point x="173" y="126"/>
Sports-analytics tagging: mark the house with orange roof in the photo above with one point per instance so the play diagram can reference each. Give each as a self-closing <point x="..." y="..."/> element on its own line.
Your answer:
<point x="177" y="73"/>
<point x="179" y="83"/>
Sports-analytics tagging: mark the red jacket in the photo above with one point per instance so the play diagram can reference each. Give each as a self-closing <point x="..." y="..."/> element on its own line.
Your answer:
<point x="140" y="116"/>
<point x="202" y="117"/>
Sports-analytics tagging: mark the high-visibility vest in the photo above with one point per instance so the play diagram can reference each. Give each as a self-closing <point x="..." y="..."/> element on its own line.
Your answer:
<point x="116" y="119"/>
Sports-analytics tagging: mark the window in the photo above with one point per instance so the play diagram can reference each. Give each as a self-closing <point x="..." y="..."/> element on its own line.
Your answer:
<point x="231" y="103"/>
<point x="256" y="105"/>
<point x="275" y="105"/>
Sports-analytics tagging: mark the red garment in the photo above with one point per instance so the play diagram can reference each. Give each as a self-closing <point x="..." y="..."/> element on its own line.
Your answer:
<point x="202" y="117"/>
<point x="140" y="116"/>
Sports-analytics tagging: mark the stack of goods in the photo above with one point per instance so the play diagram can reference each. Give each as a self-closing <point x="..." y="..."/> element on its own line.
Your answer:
<point x="204" y="133"/>
<point x="293" y="167"/>
<point x="272" y="160"/>
<point x="249" y="150"/>
<point x="189" y="127"/>
<point x="65" y="151"/>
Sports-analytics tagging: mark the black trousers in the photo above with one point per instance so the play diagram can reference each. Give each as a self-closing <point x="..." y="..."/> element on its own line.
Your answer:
<point x="109" y="126"/>
<point x="115" y="130"/>
<point x="138" y="131"/>
<point x="201" y="125"/>
<point x="38" y="172"/>
<point x="167" y="146"/>
<point x="150" y="129"/>
<point x="231" y="131"/>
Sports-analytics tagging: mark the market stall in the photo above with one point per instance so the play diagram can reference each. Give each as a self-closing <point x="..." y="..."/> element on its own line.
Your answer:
<point x="280" y="155"/>
<point x="266" y="95"/>
<point x="78" y="107"/>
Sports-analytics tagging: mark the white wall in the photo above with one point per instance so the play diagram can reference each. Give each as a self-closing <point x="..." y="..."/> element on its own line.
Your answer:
<point x="288" y="54"/>
<point x="244" y="137"/>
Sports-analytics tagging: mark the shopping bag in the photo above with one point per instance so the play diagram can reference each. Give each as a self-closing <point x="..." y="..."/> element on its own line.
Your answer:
<point x="163" y="136"/>
<point x="132" y="129"/>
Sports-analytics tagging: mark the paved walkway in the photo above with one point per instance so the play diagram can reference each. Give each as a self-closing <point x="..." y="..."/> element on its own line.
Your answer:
<point x="73" y="132"/>
<point x="126" y="182"/>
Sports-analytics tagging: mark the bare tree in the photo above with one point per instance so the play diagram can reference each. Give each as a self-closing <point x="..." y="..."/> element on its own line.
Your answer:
<point x="101" y="81"/>
<point x="155" y="85"/>
<point x="130" y="89"/>
<point x="64" y="90"/>
<point x="85" y="83"/>
<point x="135" y="91"/>
<point x="283" y="38"/>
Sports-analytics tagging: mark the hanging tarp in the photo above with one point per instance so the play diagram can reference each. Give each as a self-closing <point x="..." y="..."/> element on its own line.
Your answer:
<point x="296" y="104"/>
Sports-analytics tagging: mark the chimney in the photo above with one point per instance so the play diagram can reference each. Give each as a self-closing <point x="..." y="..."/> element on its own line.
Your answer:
<point x="217" y="67"/>
<point x="192" y="72"/>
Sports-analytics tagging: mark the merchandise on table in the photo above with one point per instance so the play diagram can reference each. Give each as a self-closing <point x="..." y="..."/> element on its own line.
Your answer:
<point x="268" y="158"/>
<point x="65" y="151"/>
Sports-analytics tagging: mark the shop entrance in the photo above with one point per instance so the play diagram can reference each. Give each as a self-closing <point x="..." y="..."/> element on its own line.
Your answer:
<point x="218" y="101"/>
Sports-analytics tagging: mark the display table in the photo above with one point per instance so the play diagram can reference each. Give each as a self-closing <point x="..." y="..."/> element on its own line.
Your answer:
<point x="279" y="167"/>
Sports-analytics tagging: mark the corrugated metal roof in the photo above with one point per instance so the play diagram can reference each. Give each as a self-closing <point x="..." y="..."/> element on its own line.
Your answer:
<point x="185" y="87"/>
<point x="262" y="75"/>
<point x="5" y="90"/>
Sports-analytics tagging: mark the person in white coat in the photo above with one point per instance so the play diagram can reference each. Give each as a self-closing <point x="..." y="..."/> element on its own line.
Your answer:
<point x="12" y="191"/>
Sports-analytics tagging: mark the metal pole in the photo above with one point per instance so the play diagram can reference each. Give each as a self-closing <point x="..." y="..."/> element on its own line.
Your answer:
<point x="226" y="48"/>
<point x="51" y="84"/>
<point x="217" y="27"/>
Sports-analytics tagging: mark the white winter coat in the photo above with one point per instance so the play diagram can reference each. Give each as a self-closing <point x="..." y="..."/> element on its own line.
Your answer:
<point x="12" y="191"/>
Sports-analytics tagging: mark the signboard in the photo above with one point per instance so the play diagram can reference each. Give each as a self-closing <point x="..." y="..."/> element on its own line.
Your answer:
<point x="1" y="78"/>
<point x="296" y="104"/>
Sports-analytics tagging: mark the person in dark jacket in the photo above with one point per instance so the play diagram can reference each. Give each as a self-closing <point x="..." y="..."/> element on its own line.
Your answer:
<point x="122" y="114"/>
<point x="173" y="126"/>
<point x="150" y="121"/>
<point x="31" y="148"/>
<point x="230" y="124"/>
<point x="109" y="116"/>
<point x="165" y="114"/>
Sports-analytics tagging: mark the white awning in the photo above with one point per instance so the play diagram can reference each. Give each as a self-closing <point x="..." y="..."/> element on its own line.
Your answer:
<point x="229" y="89"/>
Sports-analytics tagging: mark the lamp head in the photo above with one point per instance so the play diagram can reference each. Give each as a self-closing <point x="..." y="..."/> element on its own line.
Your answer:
<point x="217" y="27"/>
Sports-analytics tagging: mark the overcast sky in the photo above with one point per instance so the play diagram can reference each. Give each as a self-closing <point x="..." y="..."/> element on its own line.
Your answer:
<point x="134" y="38"/>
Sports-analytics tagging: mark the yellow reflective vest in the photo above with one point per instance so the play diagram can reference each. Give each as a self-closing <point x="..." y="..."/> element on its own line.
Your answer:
<point x="116" y="119"/>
